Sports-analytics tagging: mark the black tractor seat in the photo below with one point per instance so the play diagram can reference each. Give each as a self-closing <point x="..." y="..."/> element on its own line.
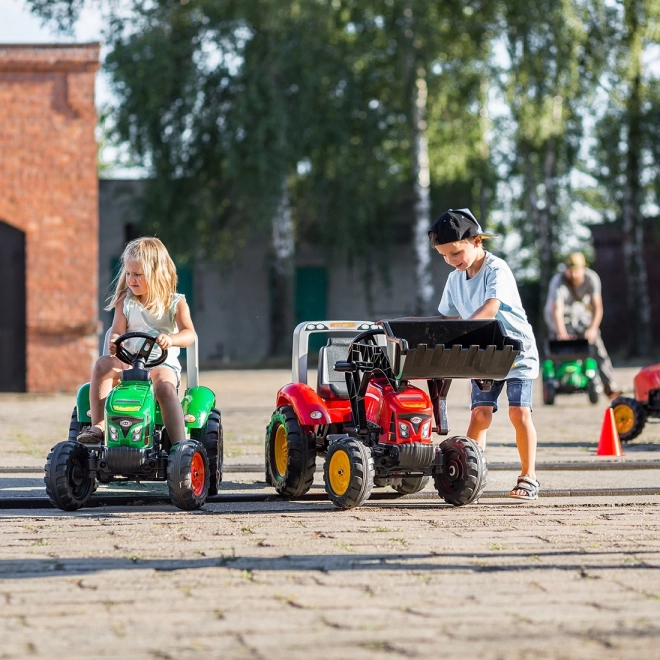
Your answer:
<point x="135" y="374"/>
<point x="330" y="383"/>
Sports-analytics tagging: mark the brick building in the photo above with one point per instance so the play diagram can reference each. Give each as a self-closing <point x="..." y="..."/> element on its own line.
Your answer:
<point x="48" y="216"/>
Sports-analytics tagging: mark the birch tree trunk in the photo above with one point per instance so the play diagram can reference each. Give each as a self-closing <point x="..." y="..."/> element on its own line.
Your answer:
<point x="547" y="226"/>
<point x="422" y="207"/>
<point x="282" y="277"/>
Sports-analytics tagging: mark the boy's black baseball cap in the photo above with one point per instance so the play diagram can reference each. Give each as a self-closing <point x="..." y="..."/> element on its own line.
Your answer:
<point x="456" y="225"/>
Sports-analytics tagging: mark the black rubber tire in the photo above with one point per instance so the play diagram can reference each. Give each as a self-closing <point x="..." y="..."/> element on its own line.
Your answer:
<point x="464" y="474"/>
<point x="179" y="477"/>
<point x="627" y="410"/>
<point x="410" y="485"/>
<point x="297" y="478"/>
<point x="592" y="392"/>
<point x="211" y="437"/>
<point x="66" y="475"/>
<point x="360" y="461"/>
<point x="548" y="393"/>
<point x="75" y="427"/>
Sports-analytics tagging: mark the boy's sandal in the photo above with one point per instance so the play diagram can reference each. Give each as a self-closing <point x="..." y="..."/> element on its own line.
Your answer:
<point x="92" y="435"/>
<point x="529" y="486"/>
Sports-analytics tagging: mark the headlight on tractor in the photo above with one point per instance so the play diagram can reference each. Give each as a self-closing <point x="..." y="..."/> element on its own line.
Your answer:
<point x="136" y="433"/>
<point x="404" y="430"/>
<point x="426" y="429"/>
<point x="114" y="433"/>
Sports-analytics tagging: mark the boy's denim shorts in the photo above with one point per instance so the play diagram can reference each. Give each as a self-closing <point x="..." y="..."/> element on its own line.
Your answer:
<point x="518" y="391"/>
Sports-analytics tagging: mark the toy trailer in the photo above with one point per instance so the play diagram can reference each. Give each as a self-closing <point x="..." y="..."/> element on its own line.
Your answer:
<point x="569" y="366"/>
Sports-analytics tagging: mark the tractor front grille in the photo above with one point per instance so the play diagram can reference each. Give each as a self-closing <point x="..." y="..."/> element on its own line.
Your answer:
<point x="124" y="460"/>
<point x="415" y="455"/>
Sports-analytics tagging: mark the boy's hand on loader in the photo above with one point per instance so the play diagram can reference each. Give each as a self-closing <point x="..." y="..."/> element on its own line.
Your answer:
<point x="164" y="341"/>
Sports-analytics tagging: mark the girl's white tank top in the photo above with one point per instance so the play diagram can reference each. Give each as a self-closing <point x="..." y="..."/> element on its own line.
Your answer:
<point x="139" y="319"/>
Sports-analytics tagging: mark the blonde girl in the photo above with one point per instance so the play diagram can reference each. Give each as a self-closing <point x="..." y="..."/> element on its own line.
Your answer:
<point x="145" y="300"/>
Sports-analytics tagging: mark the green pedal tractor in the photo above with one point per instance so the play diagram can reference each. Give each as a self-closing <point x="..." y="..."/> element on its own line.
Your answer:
<point x="137" y="446"/>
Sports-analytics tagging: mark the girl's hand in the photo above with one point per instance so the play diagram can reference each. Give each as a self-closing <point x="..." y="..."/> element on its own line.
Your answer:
<point x="164" y="341"/>
<point x="112" y="348"/>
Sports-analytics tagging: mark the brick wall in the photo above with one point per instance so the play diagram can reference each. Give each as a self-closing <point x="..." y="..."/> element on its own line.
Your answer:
<point x="49" y="190"/>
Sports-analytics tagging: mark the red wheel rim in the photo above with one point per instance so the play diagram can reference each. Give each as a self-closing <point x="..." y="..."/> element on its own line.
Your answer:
<point x="197" y="474"/>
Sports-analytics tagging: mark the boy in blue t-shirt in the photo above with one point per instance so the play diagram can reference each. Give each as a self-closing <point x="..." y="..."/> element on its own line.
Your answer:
<point x="483" y="287"/>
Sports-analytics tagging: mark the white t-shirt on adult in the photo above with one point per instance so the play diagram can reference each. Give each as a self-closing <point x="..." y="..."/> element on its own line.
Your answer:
<point x="462" y="297"/>
<point x="577" y="300"/>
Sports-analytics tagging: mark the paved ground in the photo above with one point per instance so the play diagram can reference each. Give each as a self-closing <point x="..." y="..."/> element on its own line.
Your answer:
<point x="564" y="578"/>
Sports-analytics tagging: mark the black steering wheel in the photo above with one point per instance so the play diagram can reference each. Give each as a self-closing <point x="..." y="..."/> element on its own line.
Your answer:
<point x="143" y="354"/>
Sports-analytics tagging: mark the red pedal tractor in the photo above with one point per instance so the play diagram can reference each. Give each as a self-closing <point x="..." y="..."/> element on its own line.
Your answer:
<point x="372" y="426"/>
<point x="630" y="414"/>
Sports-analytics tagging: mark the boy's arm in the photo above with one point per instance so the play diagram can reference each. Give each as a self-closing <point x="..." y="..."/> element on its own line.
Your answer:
<point x="437" y="317"/>
<point x="488" y="310"/>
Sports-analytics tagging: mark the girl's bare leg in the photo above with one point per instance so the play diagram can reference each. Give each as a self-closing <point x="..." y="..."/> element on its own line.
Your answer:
<point x="165" y="382"/>
<point x="105" y="374"/>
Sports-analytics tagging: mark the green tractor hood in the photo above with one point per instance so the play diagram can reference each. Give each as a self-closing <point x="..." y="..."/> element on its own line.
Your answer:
<point x="130" y="415"/>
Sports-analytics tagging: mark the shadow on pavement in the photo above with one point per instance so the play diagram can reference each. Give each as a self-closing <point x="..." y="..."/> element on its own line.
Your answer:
<point x="469" y="562"/>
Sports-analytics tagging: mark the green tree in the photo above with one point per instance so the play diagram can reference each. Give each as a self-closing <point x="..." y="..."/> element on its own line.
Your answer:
<point x="422" y="61"/>
<point x="555" y="58"/>
<point x="221" y="102"/>
<point x="628" y="160"/>
<point x="298" y="119"/>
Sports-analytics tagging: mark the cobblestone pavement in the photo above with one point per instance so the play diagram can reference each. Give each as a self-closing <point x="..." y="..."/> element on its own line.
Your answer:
<point x="285" y="580"/>
<point x="562" y="578"/>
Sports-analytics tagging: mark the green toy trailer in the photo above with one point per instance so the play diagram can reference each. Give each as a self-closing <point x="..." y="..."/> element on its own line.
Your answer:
<point x="568" y="368"/>
<point x="137" y="446"/>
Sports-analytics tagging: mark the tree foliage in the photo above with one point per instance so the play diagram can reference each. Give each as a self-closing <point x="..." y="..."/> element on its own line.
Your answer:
<point x="556" y="56"/>
<point x="229" y="103"/>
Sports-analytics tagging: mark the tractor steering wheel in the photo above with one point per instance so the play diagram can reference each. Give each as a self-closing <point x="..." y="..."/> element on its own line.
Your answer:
<point x="143" y="354"/>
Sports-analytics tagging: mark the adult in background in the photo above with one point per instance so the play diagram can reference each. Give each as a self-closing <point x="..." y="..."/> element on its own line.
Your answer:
<point x="574" y="308"/>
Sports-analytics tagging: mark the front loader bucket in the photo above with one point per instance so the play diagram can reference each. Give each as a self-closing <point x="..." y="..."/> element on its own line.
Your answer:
<point x="435" y="349"/>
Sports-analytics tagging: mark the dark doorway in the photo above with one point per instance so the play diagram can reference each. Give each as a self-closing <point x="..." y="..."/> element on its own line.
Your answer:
<point x="312" y="300"/>
<point x="12" y="304"/>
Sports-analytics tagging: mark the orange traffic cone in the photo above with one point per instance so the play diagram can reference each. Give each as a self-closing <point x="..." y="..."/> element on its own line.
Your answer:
<point x="609" y="444"/>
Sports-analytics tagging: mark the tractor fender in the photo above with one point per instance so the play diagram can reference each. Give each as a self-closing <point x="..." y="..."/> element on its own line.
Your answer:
<point x="647" y="380"/>
<point x="304" y="401"/>
<point x="197" y="403"/>
<point x="82" y="404"/>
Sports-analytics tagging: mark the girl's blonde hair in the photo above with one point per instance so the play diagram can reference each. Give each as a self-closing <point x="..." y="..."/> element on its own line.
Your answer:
<point x="159" y="274"/>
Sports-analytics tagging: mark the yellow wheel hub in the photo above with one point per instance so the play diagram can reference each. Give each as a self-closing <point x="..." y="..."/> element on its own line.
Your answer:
<point x="624" y="418"/>
<point x="339" y="472"/>
<point x="281" y="451"/>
